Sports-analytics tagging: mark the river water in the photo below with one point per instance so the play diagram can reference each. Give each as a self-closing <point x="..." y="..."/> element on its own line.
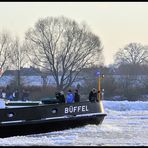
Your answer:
<point x="126" y="124"/>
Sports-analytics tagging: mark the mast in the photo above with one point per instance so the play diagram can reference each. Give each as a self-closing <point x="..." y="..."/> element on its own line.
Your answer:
<point x="100" y="77"/>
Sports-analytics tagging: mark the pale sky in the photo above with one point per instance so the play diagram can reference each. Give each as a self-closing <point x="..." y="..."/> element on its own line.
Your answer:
<point x="116" y="23"/>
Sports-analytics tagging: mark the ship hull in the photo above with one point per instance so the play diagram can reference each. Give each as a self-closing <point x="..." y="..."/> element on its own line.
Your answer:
<point x="48" y="117"/>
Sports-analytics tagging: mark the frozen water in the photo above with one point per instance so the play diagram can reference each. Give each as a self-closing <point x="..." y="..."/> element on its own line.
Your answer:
<point x="126" y="124"/>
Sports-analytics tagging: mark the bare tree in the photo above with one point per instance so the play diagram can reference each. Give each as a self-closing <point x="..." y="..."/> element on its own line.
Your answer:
<point x="12" y="55"/>
<point x="18" y="59"/>
<point x="6" y="46"/>
<point x="133" y="53"/>
<point x="63" y="47"/>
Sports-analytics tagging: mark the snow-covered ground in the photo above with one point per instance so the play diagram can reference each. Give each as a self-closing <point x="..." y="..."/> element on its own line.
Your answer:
<point x="126" y="124"/>
<point x="33" y="81"/>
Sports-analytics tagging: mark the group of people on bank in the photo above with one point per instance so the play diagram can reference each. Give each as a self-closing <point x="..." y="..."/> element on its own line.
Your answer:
<point x="71" y="97"/>
<point x="13" y="95"/>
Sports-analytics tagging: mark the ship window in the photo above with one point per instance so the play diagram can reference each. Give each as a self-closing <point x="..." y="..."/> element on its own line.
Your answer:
<point x="10" y="115"/>
<point x="54" y="111"/>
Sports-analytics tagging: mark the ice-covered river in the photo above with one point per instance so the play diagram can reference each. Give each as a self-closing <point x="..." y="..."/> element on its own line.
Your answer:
<point x="126" y="124"/>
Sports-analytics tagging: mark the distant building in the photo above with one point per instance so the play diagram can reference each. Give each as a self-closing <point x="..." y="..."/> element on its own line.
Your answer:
<point x="31" y="71"/>
<point x="31" y="77"/>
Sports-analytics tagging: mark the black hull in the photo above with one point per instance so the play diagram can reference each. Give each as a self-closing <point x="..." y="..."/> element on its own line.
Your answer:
<point x="41" y="118"/>
<point x="49" y="126"/>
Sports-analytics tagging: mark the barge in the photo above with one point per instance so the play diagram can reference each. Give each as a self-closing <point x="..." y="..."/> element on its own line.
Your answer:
<point x="24" y="118"/>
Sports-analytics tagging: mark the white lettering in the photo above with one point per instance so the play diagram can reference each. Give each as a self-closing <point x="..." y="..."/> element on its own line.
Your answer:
<point x="79" y="107"/>
<point x="83" y="108"/>
<point x="70" y="109"/>
<point x="86" y="108"/>
<point x="74" y="109"/>
<point x="66" y="110"/>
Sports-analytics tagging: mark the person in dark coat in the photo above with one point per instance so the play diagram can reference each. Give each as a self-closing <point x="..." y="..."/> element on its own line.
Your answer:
<point x="60" y="97"/>
<point x="76" y="96"/>
<point x="16" y="94"/>
<point x="57" y="94"/>
<point x="25" y="95"/>
<point x="8" y="93"/>
<point x="93" y="96"/>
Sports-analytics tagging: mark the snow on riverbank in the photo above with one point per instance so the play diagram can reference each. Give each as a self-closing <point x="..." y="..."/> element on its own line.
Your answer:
<point x="125" y="105"/>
